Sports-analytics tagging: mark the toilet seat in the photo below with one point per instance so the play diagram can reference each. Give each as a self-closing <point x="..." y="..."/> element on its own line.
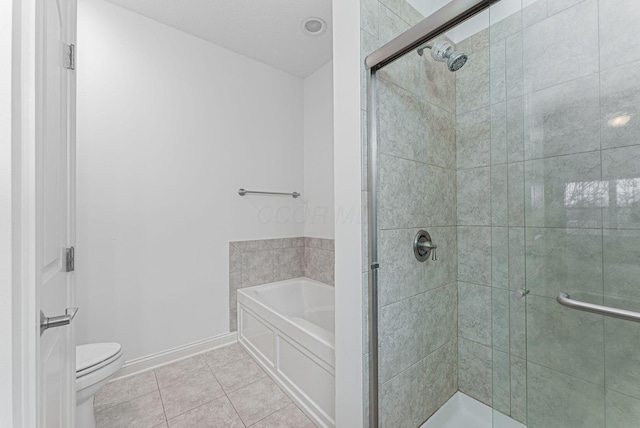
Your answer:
<point x="96" y="364"/>
<point x="94" y="356"/>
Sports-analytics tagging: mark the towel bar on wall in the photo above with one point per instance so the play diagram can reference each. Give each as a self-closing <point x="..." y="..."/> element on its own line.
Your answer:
<point x="243" y="192"/>
<point x="565" y="300"/>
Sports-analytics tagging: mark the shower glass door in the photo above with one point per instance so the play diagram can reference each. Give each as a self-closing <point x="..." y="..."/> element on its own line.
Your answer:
<point x="523" y="166"/>
<point x="569" y="75"/>
<point x="547" y="119"/>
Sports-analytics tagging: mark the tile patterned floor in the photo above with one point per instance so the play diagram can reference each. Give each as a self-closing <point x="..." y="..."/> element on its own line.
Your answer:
<point x="221" y="388"/>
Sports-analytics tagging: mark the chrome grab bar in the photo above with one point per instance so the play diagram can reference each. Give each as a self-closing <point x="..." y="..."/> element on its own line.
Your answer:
<point x="565" y="300"/>
<point x="59" y="321"/>
<point x="243" y="192"/>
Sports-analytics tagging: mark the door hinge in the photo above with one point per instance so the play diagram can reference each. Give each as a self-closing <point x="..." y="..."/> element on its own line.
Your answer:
<point x="70" y="262"/>
<point x="70" y="57"/>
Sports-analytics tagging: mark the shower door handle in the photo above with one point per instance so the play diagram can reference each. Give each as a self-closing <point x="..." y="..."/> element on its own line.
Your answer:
<point x="565" y="300"/>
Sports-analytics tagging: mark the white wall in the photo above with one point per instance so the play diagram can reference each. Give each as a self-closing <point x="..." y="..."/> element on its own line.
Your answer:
<point x="348" y="228"/>
<point x="318" y="153"/>
<point x="169" y="127"/>
<point x="6" y="369"/>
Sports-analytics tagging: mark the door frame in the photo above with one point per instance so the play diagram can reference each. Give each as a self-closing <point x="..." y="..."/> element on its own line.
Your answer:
<point x="25" y="316"/>
<point x="24" y="304"/>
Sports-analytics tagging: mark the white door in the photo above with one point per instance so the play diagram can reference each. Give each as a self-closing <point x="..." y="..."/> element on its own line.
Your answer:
<point x="55" y="122"/>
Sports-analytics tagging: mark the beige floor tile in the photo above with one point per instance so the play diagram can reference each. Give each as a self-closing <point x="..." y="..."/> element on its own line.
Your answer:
<point x="223" y="356"/>
<point x="258" y="400"/>
<point x="218" y="413"/>
<point x="122" y="390"/>
<point x="289" y="417"/>
<point x="180" y="370"/>
<point x="181" y="397"/>
<point x="141" y="412"/>
<point x="238" y="373"/>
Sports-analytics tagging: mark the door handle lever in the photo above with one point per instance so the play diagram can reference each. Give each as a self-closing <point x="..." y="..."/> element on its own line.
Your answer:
<point x="59" y="321"/>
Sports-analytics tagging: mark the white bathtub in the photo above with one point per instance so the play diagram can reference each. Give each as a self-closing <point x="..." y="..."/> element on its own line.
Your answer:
<point x="288" y="327"/>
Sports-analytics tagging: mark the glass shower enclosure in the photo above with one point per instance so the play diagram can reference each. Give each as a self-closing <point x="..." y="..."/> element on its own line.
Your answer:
<point x="503" y="162"/>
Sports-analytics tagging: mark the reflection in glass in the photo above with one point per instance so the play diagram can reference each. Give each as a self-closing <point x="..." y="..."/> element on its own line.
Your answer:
<point x="627" y="192"/>
<point x="586" y="194"/>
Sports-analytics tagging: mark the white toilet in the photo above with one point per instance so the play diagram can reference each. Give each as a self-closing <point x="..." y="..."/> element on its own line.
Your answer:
<point x="96" y="363"/>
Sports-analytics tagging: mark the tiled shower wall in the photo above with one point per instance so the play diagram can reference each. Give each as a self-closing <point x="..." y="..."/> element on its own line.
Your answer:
<point x="562" y="213"/>
<point x="418" y="301"/>
<point x="545" y="199"/>
<point x="269" y="260"/>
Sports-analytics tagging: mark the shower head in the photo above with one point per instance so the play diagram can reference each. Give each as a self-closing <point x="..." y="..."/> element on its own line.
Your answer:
<point x="456" y="60"/>
<point x="442" y="51"/>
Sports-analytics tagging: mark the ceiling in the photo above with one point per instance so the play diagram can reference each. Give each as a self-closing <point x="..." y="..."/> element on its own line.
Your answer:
<point x="268" y="31"/>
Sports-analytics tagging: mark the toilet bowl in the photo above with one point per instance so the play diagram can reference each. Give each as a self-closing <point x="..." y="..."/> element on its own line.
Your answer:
<point x="96" y="363"/>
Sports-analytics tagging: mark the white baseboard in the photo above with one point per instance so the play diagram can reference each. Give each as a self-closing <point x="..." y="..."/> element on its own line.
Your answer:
<point x="158" y="359"/>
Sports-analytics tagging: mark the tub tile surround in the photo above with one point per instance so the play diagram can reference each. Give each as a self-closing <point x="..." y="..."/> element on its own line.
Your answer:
<point x="220" y="388"/>
<point x="268" y="260"/>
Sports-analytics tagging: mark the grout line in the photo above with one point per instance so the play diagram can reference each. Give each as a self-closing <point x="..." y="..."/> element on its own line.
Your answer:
<point x="454" y="339"/>
<point x="449" y="284"/>
<point x="161" y="400"/>
<point x="190" y="379"/>
<point x="131" y="399"/>
<point x="599" y="385"/>
<point x="540" y="227"/>
<point x="233" y="405"/>
<point x="417" y="98"/>
<point x="251" y="383"/>
<point x="539" y="158"/>
<point x="418" y="226"/>
<point x="555" y="85"/>
<point x="481" y="344"/>
<point x="491" y="243"/>
<point x="124" y="402"/>
<point x="197" y="407"/>
<point x="247" y="355"/>
<point x="234" y="408"/>
<point x="406" y="24"/>
<point x="602" y="211"/>
<point x="462" y="281"/>
<point x="421" y="162"/>
<point x="371" y="35"/>
<point x="523" y="97"/>
<point x="271" y="414"/>
<point x="209" y="402"/>
<point x="423" y="226"/>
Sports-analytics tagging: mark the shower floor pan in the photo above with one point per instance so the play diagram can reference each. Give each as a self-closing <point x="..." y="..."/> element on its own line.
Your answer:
<point x="462" y="411"/>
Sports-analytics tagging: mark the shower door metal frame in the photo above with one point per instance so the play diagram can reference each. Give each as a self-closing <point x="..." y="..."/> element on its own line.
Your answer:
<point x="434" y="25"/>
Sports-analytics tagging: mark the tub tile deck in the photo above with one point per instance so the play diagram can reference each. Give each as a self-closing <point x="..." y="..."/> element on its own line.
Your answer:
<point x="221" y="388"/>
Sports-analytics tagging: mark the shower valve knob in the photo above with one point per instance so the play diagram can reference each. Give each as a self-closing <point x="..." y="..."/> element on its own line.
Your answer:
<point x="423" y="247"/>
<point x="429" y="247"/>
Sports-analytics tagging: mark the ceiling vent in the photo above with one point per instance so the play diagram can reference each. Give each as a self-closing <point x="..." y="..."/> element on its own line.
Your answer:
<point x="314" y="26"/>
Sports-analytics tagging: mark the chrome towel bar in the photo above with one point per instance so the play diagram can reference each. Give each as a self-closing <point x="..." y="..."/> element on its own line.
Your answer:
<point x="243" y="192"/>
<point x="565" y="300"/>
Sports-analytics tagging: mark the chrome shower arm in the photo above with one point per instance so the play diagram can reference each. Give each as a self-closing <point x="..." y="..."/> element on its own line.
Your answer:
<point x="422" y="48"/>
